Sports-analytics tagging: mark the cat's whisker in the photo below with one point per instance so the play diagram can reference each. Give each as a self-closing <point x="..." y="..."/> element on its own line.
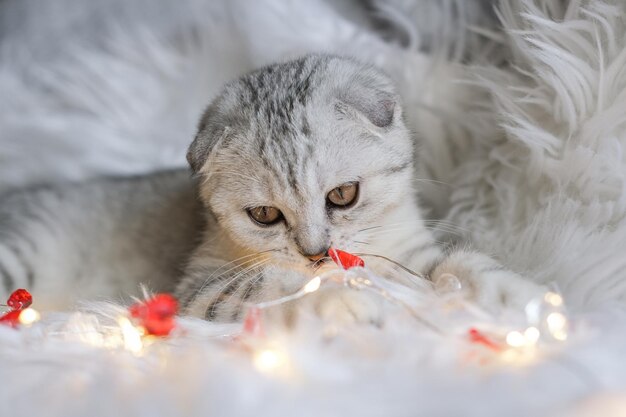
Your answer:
<point x="212" y="303"/>
<point x="446" y="223"/>
<point x="428" y="180"/>
<point x="393" y="229"/>
<point x="382" y="233"/>
<point x="246" y="259"/>
<point x="256" y="254"/>
<point x="392" y="271"/>
<point x="237" y="264"/>
<point x="425" y="222"/>
<point x="244" y="281"/>
<point x="369" y="228"/>
<point x="249" y="287"/>
<point x="236" y="276"/>
<point x="385" y="225"/>
<point x="446" y="229"/>
<point x="396" y="263"/>
<point x="251" y="276"/>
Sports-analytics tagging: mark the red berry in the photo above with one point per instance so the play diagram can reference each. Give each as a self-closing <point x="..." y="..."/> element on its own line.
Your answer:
<point x="11" y="318"/>
<point x="19" y="299"/>
<point x="344" y="259"/>
<point x="137" y="310"/>
<point x="159" y="326"/>
<point x="156" y="314"/>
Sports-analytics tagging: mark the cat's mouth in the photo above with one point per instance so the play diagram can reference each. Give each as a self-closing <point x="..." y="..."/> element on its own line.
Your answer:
<point x="316" y="265"/>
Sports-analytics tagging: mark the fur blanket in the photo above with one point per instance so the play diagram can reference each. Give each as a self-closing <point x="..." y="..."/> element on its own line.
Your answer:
<point x="521" y="127"/>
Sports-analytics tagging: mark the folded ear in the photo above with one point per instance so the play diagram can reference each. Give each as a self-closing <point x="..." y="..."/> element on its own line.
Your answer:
<point x="197" y="153"/>
<point x="212" y="130"/>
<point x="378" y="106"/>
<point x="364" y="90"/>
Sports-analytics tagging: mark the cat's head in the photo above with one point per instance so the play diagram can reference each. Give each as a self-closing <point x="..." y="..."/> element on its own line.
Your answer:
<point x="300" y="156"/>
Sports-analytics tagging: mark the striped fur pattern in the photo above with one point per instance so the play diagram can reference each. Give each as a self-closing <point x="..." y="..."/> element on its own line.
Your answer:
<point x="283" y="136"/>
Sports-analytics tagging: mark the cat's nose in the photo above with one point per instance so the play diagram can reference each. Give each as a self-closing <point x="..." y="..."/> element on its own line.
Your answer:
<point x="316" y="257"/>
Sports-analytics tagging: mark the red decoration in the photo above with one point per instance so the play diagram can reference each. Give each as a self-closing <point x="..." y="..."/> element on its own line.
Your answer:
<point x="156" y="314"/>
<point x="252" y="323"/>
<point x="476" y="336"/>
<point x="11" y="318"/>
<point x="20" y="299"/>
<point x="344" y="259"/>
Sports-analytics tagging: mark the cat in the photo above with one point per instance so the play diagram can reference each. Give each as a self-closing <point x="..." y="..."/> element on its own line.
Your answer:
<point x="289" y="161"/>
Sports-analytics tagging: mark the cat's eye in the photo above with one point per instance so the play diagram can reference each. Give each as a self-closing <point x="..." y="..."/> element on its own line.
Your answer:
<point x="265" y="215"/>
<point x="343" y="196"/>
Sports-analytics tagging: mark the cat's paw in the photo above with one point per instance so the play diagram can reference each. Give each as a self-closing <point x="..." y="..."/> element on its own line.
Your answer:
<point x="503" y="289"/>
<point x="347" y="306"/>
<point x="486" y="282"/>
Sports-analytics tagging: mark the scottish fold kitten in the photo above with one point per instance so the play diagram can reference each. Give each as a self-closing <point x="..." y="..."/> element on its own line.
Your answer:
<point x="289" y="161"/>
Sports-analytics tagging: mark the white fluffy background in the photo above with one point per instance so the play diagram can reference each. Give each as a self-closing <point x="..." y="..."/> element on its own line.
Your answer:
<point x="525" y="139"/>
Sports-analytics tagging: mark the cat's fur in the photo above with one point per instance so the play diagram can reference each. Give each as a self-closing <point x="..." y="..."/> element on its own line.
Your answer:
<point x="283" y="136"/>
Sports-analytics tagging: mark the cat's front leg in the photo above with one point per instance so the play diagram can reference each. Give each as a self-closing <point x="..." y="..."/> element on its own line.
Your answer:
<point x="486" y="281"/>
<point x="346" y="305"/>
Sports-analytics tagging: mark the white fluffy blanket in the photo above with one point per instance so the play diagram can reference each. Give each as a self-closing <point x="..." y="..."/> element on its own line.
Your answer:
<point x="521" y="150"/>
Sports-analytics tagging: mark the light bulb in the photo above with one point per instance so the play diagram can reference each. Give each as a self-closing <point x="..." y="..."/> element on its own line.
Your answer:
<point x="312" y="285"/>
<point x="131" y="335"/>
<point x="554" y="299"/>
<point x="532" y="335"/>
<point x="29" y="316"/>
<point x="515" y="339"/>
<point x="268" y="360"/>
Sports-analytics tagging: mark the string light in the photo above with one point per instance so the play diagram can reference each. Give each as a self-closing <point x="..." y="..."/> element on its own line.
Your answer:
<point x="269" y="360"/>
<point x="28" y="316"/>
<point x="312" y="285"/>
<point x="515" y="339"/>
<point x="131" y="335"/>
<point x="554" y="299"/>
<point x="545" y="315"/>
<point x="556" y="322"/>
<point x="532" y="334"/>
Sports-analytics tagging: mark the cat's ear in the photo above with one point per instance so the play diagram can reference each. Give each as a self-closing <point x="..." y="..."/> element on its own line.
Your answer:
<point x="367" y="93"/>
<point x="203" y="146"/>
<point x="379" y="107"/>
<point x="212" y="132"/>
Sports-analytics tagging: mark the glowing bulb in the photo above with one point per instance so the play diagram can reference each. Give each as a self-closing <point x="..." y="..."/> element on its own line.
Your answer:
<point x="515" y="339"/>
<point x="556" y="322"/>
<point x="312" y="285"/>
<point x="532" y="335"/>
<point x="29" y="316"/>
<point x="268" y="360"/>
<point x="554" y="299"/>
<point x="131" y="335"/>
